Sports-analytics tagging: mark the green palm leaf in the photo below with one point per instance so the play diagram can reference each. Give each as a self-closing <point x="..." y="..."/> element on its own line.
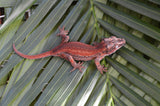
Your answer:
<point x="135" y="75"/>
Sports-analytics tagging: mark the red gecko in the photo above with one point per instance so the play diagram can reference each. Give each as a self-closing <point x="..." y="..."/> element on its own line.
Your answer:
<point x="72" y="51"/>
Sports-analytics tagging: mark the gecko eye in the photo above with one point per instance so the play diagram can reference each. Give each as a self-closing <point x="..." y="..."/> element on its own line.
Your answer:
<point x="117" y="46"/>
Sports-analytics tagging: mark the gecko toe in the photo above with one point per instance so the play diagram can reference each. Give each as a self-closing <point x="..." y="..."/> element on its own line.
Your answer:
<point x="102" y="69"/>
<point x="78" y="66"/>
<point x="73" y="69"/>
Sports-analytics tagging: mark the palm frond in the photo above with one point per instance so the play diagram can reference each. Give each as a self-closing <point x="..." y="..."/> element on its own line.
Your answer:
<point x="133" y="80"/>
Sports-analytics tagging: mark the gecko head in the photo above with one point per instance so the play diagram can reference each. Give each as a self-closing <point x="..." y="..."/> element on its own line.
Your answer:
<point x="113" y="43"/>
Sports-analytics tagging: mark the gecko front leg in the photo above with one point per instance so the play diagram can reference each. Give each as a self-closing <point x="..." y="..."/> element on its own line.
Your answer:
<point x="63" y="33"/>
<point x="100" y="67"/>
<point x="72" y="61"/>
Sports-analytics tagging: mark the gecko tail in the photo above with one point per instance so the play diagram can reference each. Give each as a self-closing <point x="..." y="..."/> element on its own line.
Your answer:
<point x="46" y="54"/>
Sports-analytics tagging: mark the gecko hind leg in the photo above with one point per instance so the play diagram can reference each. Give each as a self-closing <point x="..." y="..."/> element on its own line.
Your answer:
<point x="73" y="62"/>
<point x="79" y="66"/>
<point x="63" y="33"/>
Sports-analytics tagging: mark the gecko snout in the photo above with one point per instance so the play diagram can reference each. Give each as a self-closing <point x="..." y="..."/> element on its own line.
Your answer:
<point x="113" y="44"/>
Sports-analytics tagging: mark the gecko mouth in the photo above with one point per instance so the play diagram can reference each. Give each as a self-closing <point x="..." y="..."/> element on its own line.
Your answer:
<point x="121" y="42"/>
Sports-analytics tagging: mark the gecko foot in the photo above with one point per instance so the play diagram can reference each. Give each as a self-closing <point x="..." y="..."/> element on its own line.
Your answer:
<point x="62" y="32"/>
<point x="79" y="66"/>
<point x="102" y="69"/>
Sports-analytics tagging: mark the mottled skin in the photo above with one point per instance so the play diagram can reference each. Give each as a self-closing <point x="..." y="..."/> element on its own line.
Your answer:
<point x="72" y="51"/>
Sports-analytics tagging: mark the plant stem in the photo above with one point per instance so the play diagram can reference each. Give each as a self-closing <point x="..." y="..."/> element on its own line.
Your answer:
<point x="95" y="19"/>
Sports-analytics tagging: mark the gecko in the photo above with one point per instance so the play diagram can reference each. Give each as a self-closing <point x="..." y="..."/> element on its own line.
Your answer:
<point x="77" y="51"/>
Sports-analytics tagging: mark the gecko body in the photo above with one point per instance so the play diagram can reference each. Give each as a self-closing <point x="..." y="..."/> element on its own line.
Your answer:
<point x="72" y="51"/>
